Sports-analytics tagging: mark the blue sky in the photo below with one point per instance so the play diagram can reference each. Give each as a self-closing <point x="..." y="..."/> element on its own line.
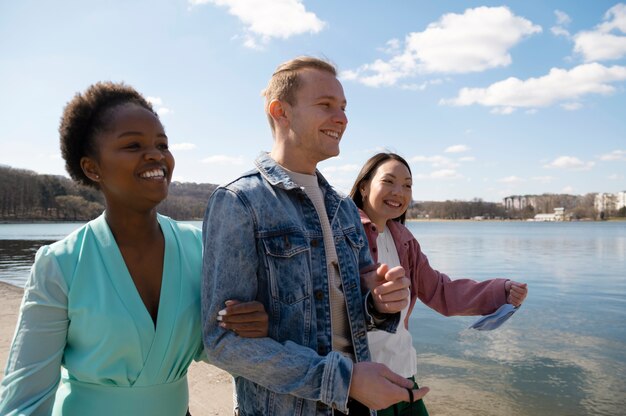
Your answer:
<point x="485" y="99"/>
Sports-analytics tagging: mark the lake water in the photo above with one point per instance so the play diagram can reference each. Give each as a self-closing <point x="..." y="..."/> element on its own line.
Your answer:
<point x="562" y="353"/>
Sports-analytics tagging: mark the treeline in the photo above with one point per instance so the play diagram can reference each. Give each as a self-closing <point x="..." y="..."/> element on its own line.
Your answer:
<point x="457" y="210"/>
<point x="27" y="196"/>
<point x="576" y="207"/>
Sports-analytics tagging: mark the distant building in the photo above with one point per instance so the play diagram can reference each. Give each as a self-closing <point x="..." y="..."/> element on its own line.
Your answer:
<point x="557" y="215"/>
<point x="519" y="202"/>
<point x="606" y="202"/>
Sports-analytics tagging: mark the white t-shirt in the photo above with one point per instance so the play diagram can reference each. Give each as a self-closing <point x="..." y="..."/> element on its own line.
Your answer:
<point x="396" y="351"/>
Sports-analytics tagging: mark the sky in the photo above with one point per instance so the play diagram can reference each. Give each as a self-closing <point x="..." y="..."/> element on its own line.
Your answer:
<point x="484" y="99"/>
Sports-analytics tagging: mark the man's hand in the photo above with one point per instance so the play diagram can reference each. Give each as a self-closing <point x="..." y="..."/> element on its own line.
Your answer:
<point x="377" y="387"/>
<point x="247" y="319"/>
<point x="390" y="291"/>
<point x="515" y="292"/>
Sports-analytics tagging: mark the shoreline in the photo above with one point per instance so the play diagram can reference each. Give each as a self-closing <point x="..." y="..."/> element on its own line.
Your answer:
<point x="210" y="388"/>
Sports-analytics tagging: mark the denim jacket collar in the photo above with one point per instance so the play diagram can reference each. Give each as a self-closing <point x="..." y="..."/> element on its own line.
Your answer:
<point x="276" y="175"/>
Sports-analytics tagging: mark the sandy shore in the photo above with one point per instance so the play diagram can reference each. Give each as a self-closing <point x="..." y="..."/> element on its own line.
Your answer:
<point x="210" y="388"/>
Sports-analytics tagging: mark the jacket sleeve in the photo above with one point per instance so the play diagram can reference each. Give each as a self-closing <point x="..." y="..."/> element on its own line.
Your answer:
<point x="230" y="265"/>
<point x="454" y="297"/>
<point x="33" y="367"/>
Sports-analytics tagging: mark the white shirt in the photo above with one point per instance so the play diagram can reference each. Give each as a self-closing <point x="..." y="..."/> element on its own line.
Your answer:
<point x="396" y="351"/>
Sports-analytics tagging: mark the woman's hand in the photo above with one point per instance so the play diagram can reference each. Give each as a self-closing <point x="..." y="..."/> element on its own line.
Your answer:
<point x="246" y="319"/>
<point x="515" y="292"/>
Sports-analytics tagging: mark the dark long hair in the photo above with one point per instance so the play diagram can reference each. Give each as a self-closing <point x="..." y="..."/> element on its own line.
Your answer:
<point x="366" y="173"/>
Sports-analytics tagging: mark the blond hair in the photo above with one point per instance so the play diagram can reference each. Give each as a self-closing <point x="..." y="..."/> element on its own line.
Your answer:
<point x="285" y="80"/>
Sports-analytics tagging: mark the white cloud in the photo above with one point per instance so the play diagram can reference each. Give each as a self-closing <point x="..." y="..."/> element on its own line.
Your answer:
<point x="343" y="168"/>
<point x="558" y="85"/>
<point x="504" y="111"/>
<point x="440" y="174"/>
<point x="445" y="174"/>
<point x="467" y="159"/>
<point x="267" y="19"/>
<point x="562" y="19"/>
<point x="156" y="101"/>
<point x="614" y="155"/>
<point x="477" y="40"/>
<point x="422" y="86"/>
<point x="559" y="31"/>
<point x="600" y="43"/>
<point x="572" y="106"/>
<point x="568" y="190"/>
<point x="543" y="179"/>
<point x="569" y="162"/>
<point x="391" y="47"/>
<point x="511" y="179"/>
<point x="223" y="160"/>
<point x="435" y="161"/>
<point x="457" y="148"/>
<point x="182" y="146"/>
<point x="615" y="177"/>
<point x="157" y="104"/>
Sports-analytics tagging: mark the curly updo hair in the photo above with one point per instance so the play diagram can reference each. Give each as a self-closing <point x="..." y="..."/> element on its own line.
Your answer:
<point x="88" y="115"/>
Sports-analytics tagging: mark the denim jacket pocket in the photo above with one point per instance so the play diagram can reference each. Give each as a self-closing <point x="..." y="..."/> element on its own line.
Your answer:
<point x="355" y="241"/>
<point x="288" y="261"/>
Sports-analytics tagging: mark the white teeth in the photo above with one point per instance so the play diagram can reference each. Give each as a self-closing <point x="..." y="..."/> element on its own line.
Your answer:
<point x="393" y="204"/>
<point x="332" y="133"/>
<point x="153" y="173"/>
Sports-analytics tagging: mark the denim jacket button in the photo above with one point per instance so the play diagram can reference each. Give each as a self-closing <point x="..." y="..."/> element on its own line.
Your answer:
<point x="319" y="295"/>
<point x="314" y="243"/>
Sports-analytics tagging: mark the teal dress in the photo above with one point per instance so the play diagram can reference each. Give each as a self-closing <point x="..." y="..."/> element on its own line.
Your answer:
<point x="85" y="343"/>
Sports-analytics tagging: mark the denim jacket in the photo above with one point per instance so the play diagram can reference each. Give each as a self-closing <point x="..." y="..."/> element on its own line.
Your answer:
<point x="263" y="241"/>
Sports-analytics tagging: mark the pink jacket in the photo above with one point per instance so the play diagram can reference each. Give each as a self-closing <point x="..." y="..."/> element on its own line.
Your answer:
<point x="435" y="289"/>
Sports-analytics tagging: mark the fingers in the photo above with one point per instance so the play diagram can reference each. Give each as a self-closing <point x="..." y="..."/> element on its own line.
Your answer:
<point x="391" y="297"/>
<point x="394" y="273"/>
<point x="246" y="319"/>
<point x="517" y="292"/>
<point x="395" y="378"/>
<point x="235" y="308"/>
<point x="418" y="394"/>
<point x="377" y="387"/>
<point x="369" y="268"/>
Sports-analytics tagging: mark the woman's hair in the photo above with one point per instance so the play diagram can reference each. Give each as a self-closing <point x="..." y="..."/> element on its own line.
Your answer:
<point x="367" y="172"/>
<point x="87" y="115"/>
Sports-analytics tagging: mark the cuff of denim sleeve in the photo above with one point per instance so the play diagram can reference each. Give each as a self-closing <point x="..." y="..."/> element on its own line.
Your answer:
<point x="375" y="320"/>
<point x="373" y="315"/>
<point x="336" y="381"/>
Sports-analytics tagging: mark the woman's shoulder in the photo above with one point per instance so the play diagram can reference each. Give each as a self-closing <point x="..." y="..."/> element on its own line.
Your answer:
<point x="396" y="227"/>
<point x="71" y="244"/>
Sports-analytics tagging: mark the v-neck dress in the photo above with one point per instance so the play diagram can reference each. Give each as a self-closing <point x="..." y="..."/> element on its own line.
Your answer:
<point x="84" y="328"/>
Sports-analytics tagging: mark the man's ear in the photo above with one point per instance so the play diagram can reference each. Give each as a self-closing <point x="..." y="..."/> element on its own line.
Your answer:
<point x="279" y="111"/>
<point x="90" y="168"/>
